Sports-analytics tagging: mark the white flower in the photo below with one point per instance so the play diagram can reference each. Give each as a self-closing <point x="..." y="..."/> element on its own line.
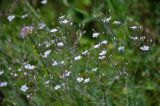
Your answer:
<point x="28" y="96"/>
<point x="47" y="43"/>
<point x="142" y="38"/>
<point x="134" y="38"/>
<point x="20" y="69"/>
<point x="65" y="74"/>
<point x="95" y="35"/>
<point x="94" y="69"/>
<point x="61" y="17"/>
<point x="47" y="82"/>
<point x="11" y="17"/>
<point x="106" y="19"/>
<point x="60" y="44"/>
<point x="102" y="53"/>
<point x="79" y="79"/>
<point x="104" y="42"/>
<point x="24" y="88"/>
<point x="86" y="80"/>
<point x="85" y="52"/>
<point x="53" y="30"/>
<point x="136" y="27"/>
<point x="29" y="66"/>
<point x="133" y="27"/>
<point x="64" y="21"/>
<point x="117" y="22"/>
<point x="57" y="87"/>
<point x="101" y="57"/>
<point x="144" y="48"/>
<point x="42" y="25"/>
<point x="77" y="58"/>
<point x="54" y="63"/>
<point x="15" y="74"/>
<point x="61" y="62"/>
<point x="121" y="48"/>
<point x="1" y="72"/>
<point x="24" y="16"/>
<point x="97" y="46"/>
<point x="47" y="53"/>
<point x="25" y="73"/>
<point x="2" y="84"/>
<point x="44" y="2"/>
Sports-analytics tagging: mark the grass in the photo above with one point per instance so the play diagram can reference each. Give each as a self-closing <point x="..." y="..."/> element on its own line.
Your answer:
<point x="61" y="63"/>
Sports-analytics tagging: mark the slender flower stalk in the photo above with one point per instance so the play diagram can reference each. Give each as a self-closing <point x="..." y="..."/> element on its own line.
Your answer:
<point x="36" y="47"/>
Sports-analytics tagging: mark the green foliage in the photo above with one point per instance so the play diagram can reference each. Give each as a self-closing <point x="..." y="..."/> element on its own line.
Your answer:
<point x="124" y="76"/>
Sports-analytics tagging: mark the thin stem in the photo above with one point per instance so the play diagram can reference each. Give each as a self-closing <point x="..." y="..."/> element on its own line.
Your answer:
<point x="133" y="82"/>
<point x="46" y="70"/>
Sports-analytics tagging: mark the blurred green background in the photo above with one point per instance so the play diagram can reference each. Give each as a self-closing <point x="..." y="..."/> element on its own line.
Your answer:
<point x="146" y="12"/>
<point x="137" y="12"/>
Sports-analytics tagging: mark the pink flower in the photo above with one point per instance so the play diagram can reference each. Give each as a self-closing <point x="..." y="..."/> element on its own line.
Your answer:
<point x="26" y="30"/>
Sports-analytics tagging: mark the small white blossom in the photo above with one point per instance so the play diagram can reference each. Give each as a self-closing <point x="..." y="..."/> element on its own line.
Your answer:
<point x="60" y="44"/>
<point x="77" y="58"/>
<point x="28" y="96"/>
<point x="24" y="16"/>
<point x="47" y="44"/>
<point x="42" y="25"/>
<point x="97" y="46"/>
<point x="86" y="80"/>
<point x="20" y="69"/>
<point x="95" y="35"/>
<point x="144" y="48"/>
<point x="47" y="82"/>
<point x="24" y="88"/>
<point x="15" y="74"/>
<point x="54" y="63"/>
<point x="61" y="17"/>
<point x="102" y="53"/>
<point x="134" y="38"/>
<point x="25" y="73"/>
<point x="2" y="84"/>
<point x="106" y="20"/>
<point x="11" y="17"/>
<point x="57" y="87"/>
<point x="121" y="49"/>
<point x="1" y="72"/>
<point x="116" y="77"/>
<point x="85" y="52"/>
<point x="79" y="79"/>
<point x="44" y="2"/>
<point x="142" y="38"/>
<point x="65" y="74"/>
<point x="53" y="30"/>
<point x="101" y="57"/>
<point x="134" y="27"/>
<point x="9" y="68"/>
<point x="94" y="69"/>
<point x="64" y="21"/>
<point x="117" y="22"/>
<point x="104" y="42"/>
<point x="61" y="62"/>
<point x="29" y="66"/>
<point x="47" y="53"/>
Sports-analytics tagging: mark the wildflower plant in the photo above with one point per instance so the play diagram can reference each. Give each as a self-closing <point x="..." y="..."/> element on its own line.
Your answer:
<point x="56" y="64"/>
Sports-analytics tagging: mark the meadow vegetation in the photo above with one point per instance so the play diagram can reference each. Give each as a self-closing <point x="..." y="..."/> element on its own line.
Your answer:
<point x="79" y="53"/>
